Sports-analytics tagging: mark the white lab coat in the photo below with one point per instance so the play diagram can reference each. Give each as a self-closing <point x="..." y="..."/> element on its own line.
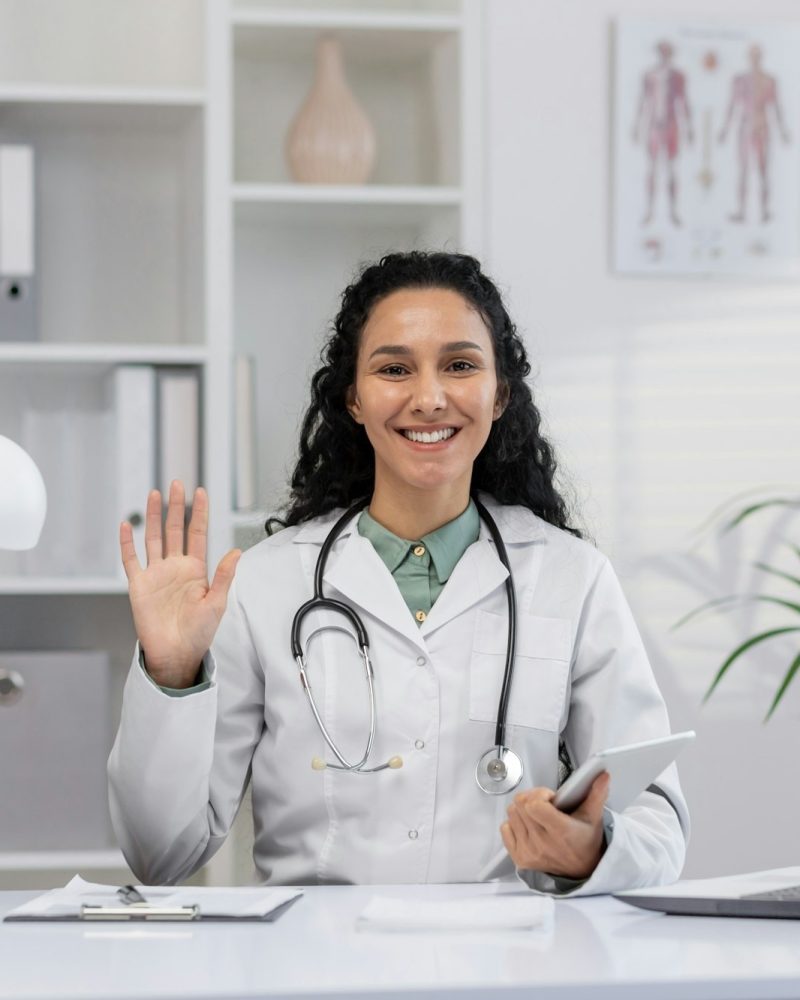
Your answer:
<point x="179" y="766"/>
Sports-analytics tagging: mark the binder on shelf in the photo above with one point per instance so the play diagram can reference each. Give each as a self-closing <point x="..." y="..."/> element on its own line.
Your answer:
<point x="178" y="429"/>
<point x="17" y="308"/>
<point x="135" y="409"/>
<point x="245" y="468"/>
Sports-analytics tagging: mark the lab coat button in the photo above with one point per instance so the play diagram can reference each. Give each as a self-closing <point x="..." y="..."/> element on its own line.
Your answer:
<point x="420" y="616"/>
<point x="419" y="744"/>
<point x="412" y="834"/>
<point x="421" y="661"/>
<point x="419" y="550"/>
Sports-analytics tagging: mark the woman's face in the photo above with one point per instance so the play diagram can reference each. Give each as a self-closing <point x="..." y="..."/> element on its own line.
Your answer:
<point x="426" y="390"/>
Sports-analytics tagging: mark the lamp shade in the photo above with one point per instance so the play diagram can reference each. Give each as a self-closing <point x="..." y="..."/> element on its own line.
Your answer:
<point x="23" y="499"/>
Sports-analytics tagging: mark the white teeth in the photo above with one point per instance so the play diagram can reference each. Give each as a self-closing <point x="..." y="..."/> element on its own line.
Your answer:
<point x="426" y="437"/>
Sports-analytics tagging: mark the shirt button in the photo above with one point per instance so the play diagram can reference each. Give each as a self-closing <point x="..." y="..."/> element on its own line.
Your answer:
<point x="420" y="616"/>
<point x="412" y="834"/>
<point x="419" y="550"/>
<point x="419" y="744"/>
<point x="421" y="661"/>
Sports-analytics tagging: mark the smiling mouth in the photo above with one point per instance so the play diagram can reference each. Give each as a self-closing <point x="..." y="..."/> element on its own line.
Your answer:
<point x="429" y="437"/>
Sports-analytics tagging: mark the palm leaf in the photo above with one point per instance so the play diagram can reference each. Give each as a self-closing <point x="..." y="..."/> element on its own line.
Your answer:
<point x="756" y="507"/>
<point x="735" y="503"/>
<point x="795" y="549"/>
<point x="777" y="572"/>
<point x="787" y="680"/>
<point x="718" y="603"/>
<point x="753" y="641"/>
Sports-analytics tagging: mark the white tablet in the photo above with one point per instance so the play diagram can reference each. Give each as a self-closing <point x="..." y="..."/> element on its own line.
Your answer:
<point x="632" y="768"/>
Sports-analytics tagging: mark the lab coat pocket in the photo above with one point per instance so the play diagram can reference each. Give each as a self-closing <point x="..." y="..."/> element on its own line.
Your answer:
<point x="541" y="670"/>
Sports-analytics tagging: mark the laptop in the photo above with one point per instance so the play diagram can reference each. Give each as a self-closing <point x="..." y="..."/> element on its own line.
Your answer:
<point x="774" y="893"/>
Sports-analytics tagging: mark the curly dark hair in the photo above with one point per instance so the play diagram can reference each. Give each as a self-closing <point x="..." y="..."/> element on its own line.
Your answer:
<point x="336" y="463"/>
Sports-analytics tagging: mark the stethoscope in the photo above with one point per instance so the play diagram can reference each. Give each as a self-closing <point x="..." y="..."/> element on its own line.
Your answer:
<point x="499" y="769"/>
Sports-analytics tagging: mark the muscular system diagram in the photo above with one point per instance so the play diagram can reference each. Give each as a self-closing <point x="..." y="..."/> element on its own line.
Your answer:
<point x="663" y="111"/>
<point x="754" y="94"/>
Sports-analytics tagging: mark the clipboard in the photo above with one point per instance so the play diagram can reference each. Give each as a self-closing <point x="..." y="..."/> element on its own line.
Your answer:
<point x="89" y="902"/>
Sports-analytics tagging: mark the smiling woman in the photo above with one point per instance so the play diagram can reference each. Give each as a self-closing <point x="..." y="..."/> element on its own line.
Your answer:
<point x="426" y="400"/>
<point x="424" y="523"/>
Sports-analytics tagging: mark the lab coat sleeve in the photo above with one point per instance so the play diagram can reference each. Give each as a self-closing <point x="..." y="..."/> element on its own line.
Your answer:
<point x="179" y="766"/>
<point x="615" y="700"/>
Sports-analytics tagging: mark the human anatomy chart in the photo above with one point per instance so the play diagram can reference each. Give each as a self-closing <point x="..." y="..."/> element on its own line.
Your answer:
<point x="707" y="148"/>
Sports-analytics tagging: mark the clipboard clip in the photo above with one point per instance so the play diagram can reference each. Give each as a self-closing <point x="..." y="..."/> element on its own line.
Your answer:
<point x="139" y="911"/>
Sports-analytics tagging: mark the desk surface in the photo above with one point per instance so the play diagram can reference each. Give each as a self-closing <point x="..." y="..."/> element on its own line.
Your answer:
<point x="599" y="949"/>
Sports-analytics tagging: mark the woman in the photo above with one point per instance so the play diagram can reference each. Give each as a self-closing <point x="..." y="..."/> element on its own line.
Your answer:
<point x="420" y="408"/>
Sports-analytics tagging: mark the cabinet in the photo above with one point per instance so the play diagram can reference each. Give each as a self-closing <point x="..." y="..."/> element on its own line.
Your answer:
<point x="169" y="234"/>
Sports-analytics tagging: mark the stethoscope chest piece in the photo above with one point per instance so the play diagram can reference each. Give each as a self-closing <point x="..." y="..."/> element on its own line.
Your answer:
<point x="499" y="771"/>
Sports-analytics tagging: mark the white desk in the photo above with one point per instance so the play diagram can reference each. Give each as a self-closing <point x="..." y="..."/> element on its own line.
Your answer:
<point x="599" y="950"/>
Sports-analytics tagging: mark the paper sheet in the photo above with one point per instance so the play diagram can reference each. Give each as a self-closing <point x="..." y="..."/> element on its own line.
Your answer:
<point x="213" y="902"/>
<point x="500" y="913"/>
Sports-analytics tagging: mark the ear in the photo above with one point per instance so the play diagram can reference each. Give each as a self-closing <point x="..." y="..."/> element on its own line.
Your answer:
<point x="353" y="405"/>
<point x="501" y="400"/>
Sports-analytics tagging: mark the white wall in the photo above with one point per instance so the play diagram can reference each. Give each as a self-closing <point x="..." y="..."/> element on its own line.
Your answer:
<point x="665" y="396"/>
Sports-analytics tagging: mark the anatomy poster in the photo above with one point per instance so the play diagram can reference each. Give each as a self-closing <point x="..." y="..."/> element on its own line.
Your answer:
<point x="707" y="148"/>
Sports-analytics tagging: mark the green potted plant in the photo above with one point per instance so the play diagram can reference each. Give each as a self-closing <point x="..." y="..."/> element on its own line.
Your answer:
<point x="728" y="522"/>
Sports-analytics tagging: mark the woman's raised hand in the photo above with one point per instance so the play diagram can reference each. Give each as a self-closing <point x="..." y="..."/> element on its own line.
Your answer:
<point x="175" y="611"/>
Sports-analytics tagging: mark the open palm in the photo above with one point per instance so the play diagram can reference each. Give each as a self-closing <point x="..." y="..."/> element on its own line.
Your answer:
<point x="175" y="610"/>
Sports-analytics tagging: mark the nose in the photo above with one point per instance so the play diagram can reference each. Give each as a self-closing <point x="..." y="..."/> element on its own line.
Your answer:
<point x="429" y="395"/>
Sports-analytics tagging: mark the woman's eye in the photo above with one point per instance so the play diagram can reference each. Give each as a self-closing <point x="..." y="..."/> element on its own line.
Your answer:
<point x="462" y="366"/>
<point x="393" y="370"/>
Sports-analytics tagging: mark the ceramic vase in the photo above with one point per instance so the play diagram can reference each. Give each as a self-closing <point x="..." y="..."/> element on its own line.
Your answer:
<point x="331" y="140"/>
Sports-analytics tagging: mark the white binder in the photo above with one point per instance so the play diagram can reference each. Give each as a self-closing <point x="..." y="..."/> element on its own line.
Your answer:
<point x="17" y="312"/>
<point x="178" y="429"/>
<point x="245" y="428"/>
<point x="135" y="413"/>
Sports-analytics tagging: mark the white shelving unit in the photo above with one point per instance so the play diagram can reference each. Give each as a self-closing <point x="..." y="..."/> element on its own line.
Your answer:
<point x="169" y="233"/>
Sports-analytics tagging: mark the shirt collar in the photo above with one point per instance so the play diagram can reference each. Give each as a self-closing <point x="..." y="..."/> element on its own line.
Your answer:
<point x="446" y="545"/>
<point x="518" y="525"/>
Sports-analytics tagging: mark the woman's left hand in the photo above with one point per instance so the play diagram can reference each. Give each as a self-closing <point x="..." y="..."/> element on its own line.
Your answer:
<point x="540" y="837"/>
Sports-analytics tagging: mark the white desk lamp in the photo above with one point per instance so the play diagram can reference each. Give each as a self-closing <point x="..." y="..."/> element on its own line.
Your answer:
<point x="23" y="499"/>
<point x="23" y="505"/>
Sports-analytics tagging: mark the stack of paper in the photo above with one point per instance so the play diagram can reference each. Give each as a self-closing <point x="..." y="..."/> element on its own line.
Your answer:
<point x="481" y="913"/>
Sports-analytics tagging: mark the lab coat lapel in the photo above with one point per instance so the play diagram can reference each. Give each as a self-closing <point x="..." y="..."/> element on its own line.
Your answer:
<point x="358" y="573"/>
<point x="476" y="574"/>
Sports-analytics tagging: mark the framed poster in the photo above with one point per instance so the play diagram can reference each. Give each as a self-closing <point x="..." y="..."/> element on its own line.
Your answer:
<point x="706" y="156"/>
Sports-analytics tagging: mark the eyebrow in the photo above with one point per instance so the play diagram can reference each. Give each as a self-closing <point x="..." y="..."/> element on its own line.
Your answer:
<point x="400" y="349"/>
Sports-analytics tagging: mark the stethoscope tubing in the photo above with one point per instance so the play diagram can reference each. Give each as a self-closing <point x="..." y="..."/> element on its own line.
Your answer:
<point x="319" y="601"/>
<point x="505" y="690"/>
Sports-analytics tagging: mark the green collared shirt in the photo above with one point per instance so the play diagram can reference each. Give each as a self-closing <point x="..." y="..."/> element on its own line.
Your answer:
<point x="423" y="566"/>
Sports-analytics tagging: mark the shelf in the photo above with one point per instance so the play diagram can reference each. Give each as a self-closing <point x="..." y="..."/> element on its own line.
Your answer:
<point x="354" y="20"/>
<point x="69" y="860"/>
<point x="105" y="355"/>
<point x="404" y="69"/>
<point x="94" y="43"/>
<point x="43" y="93"/>
<point x="335" y="204"/>
<point x="26" y="108"/>
<point x="318" y="9"/>
<point x="119" y="212"/>
<point x="32" y="585"/>
<point x="365" y="41"/>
